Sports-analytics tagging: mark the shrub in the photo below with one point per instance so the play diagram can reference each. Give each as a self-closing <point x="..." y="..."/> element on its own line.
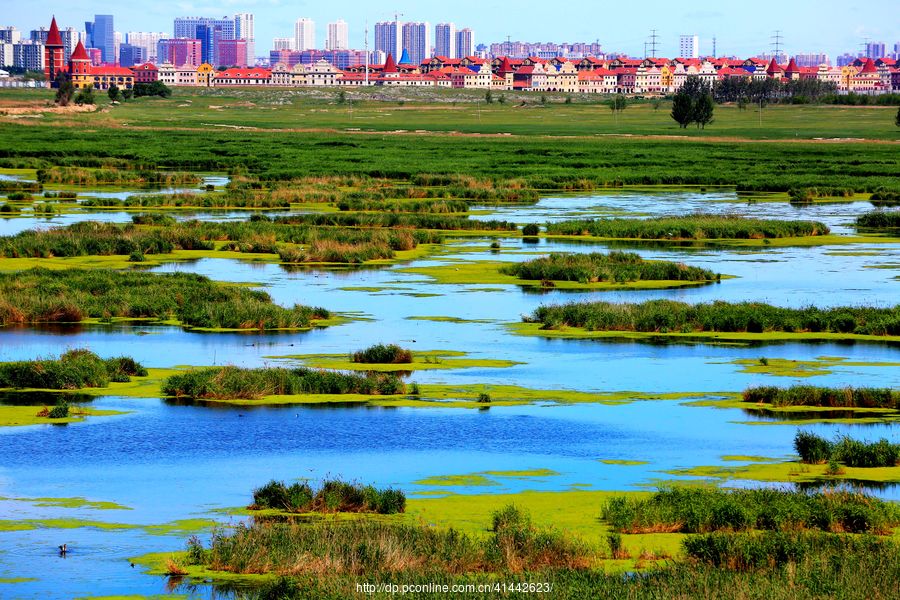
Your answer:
<point x="74" y="369"/>
<point x="333" y="495"/>
<point x="383" y="354"/>
<point x="531" y="230"/>
<point x="60" y="411"/>
<point x="599" y="267"/>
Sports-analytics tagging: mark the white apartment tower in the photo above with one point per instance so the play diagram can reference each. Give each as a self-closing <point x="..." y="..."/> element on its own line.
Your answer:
<point x="445" y="40"/>
<point x="304" y="34"/>
<point x="282" y="43"/>
<point x="689" y="47"/>
<point x="417" y="41"/>
<point x="338" y="36"/>
<point x="146" y="40"/>
<point x="465" y="43"/>
<point x="243" y="30"/>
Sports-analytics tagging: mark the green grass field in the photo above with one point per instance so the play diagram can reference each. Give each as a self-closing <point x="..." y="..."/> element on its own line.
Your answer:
<point x="275" y="135"/>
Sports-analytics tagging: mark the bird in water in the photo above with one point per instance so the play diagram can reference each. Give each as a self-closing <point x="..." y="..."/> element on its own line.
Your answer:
<point x="63" y="549"/>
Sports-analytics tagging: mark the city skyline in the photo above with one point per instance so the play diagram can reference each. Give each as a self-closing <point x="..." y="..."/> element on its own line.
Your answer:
<point x="828" y="26"/>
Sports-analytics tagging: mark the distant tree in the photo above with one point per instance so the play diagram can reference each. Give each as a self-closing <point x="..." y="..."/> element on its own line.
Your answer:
<point x="618" y="103"/>
<point x="156" y="88"/>
<point x="85" y="96"/>
<point x="694" y="87"/>
<point x="113" y="92"/>
<point x="897" y="118"/>
<point x="568" y="99"/>
<point x="543" y="99"/>
<point x="64" y="89"/>
<point x="341" y="97"/>
<point x="703" y="110"/>
<point x="489" y="97"/>
<point x="742" y="103"/>
<point x="656" y="103"/>
<point x="127" y="94"/>
<point x="501" y="99"/>
<point x="682" y="109"/>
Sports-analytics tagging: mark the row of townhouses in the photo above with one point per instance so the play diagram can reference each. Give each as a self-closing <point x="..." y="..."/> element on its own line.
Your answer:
<point x="647" y="77"/>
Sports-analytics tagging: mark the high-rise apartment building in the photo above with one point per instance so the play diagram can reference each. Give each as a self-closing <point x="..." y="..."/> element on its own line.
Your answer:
<point x="6" y="54"/>
<point x="465" y="42"/>
<point x="69" y="37"/>
<point x="146" y="40"/>
<point x="338" y="36"/>
<point x="445" y="40"/>
<point x="231" y="53"/>
<point x="130" y="55"/>
<point x="206" y="29"/>
<point x="304" y="34"/>
<point x="10" y="35"/>
<point x="28" y="55"/>
<point x="388" y="38"/>
<point x="243" y="30"/>
<point x="812" y="59"/>
<point x="283" y="43"/>
<point x="417" y="41"/>
<point x="689" y="46"/>
<point x="102" y="35"/>
<point x="180" y="52"/>
<point x="875" y="49"/>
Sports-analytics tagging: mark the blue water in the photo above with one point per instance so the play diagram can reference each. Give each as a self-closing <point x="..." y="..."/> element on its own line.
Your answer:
<point x="169" y="461"/>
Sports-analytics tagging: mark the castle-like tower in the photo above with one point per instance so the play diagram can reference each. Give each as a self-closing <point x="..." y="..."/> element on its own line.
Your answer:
<point x="54" y="55"/>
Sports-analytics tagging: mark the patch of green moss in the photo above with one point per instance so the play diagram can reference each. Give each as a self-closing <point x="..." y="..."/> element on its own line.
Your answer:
<point x="438" y="319"/>
<point x="627" y="463"/>
<point x="77" y="502"/>
<point x="789" y="472"/>
<point x="182" y="527"/>
<point x="422" y="361"/>
<point x="487" y="272"/>
<point x="782" y="367"/>
<point x="523" y="473"/>
<point x="16" y="579"/>
<point x="15" y="416"/>
<point x="457" y="480"/>
<point x="535" y="329"/>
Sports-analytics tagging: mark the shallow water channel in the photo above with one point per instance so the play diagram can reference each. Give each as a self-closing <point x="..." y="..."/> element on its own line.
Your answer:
<point x="169" y="461"/>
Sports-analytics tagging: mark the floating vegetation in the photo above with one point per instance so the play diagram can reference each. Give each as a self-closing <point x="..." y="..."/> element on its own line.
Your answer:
<point x="333" y="495"/>
<point x="702" y="510"/>
<point x="75" y="295"/>
<point x="691" y="227"/>
<point x="665" y="316"/>
<point x="879" y="219"/>
<point x="74" y="369"/>
<point x="596" y="267"/>
<point x="383" y="354"/>
<point x="807" y="395"/>
<point x="845" y="450"/>
<point x="226" y="383"/>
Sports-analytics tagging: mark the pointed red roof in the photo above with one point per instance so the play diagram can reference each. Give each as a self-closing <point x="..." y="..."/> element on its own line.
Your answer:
<point x="80" y="53"/>
<point x="53" y="37"/>
<point x="792" y="67"/>
<point x="505" y="67"/>
<point x="773" y="67"/>
<point x="389" y="65"/>
<point x="869" y="66"/>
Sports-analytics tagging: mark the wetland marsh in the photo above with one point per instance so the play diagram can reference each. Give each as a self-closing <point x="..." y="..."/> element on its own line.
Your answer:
<point x="244" y="382"/>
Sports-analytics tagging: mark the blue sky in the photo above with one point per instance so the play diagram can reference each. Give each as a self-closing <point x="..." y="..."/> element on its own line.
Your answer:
<point x="742" y="28"/>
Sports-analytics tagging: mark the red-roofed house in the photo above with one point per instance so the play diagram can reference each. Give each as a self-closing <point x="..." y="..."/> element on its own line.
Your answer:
<point x="792" y="71"/>
<point x="85" y="75"/>
<point x="597" y="81"/>
<point x="255" y="76"/>
<point x="145" y="73"/>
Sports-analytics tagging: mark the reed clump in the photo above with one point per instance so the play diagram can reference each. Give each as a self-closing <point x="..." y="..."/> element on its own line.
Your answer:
<point x="700" y="510"/>
<point x="597" y="267"/>
<point x="90" y="238"/>
<point x="382" y="354"/>
<point x="843" y="449"/>
<point x="234" y="383"/>
<point x="808" y="395"/>
<point x="109" y="176"/>
<point x="879" y="219"/>
<point x="74" y="369"/>
<point x="333" y="495"/>
<point x="373" y="547"/>
<point x="668" y="316"/>
<point x="690" y="227"/>
<point x="74" y="295"/>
